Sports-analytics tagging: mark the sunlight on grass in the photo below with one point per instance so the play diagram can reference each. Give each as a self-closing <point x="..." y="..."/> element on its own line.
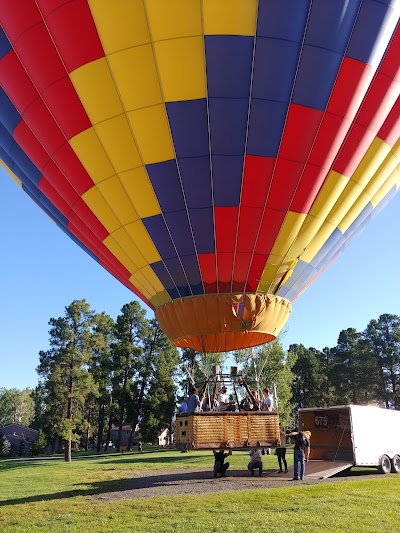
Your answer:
<point x="53" y="496"/>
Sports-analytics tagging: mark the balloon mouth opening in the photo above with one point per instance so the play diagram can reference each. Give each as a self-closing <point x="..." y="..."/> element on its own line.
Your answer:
<point x="223" y="322"/>
<point x="224" y="342"/>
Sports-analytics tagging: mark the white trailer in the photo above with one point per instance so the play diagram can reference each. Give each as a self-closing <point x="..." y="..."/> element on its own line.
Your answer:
<point x="351" y="435"/>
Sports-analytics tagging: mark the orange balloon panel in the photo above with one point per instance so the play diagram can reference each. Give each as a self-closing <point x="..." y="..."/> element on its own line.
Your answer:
<point x="222" y="322"/>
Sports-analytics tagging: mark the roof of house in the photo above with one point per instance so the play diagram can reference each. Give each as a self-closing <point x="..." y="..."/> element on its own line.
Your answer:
<point x="8" y="427"/>
<point x="125" y="427"/>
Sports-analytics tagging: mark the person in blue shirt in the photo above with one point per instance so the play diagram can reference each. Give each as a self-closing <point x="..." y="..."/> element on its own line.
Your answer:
<point x="184" y="406"/>
<point x="193" y="402"/>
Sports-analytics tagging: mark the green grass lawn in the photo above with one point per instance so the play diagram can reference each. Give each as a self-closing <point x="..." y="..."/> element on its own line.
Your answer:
<point x="52" y="496"/>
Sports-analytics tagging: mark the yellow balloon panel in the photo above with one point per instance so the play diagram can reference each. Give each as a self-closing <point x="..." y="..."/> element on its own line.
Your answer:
<point x="96" y="89"/>
<point x="181" y="67"/>
<point x="121" y="24"/>
<point x="152" y="134"/>
<point x="116" y="138"/>
<point x="135" y="73"/>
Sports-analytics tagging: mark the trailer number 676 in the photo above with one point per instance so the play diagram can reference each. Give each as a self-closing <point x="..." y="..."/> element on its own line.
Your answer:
<point x="321" y="421"/>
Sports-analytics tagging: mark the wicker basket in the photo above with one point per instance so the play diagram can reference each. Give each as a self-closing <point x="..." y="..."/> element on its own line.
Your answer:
<point x="216" y="430"/>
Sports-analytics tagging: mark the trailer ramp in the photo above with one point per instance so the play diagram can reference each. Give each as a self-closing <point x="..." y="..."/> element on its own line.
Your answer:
<point x="319" y="469"/>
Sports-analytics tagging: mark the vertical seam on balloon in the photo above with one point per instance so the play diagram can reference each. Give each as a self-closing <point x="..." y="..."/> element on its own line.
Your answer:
<point x="245" y="147"/>
<point x="176" y="162"/>
<point x="117" y="174"/>
<point x="209" y="148"/>
<point x="276" y="290"/>
<point x="277" y="154"/>
<point x="203" y="296"/>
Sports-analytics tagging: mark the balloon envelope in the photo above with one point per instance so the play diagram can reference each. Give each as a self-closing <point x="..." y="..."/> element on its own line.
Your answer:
<point x="215" y="156"/>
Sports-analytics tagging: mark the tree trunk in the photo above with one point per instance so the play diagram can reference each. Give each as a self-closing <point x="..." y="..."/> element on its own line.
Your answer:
<point x="120" y="424"/>
<point x="68" y="442"/>
<point x="110" y="421"/>
<point x="140" y="397"/>
<point x="100" y="429"/>
<point x="170" y="431"/>
<point x="87" y="437"/>
<point x="136" y="416"/>
<point x="122" y="409"/>
<point x="67" y="449"/>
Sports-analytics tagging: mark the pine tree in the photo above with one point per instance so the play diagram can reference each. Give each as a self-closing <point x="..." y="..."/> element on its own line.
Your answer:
<point x="158" y="406"/>
<point x="383" y="339"/>
<point x="309" y="384"/>
<point x="126" y="352"/>
<point x="101" y="370"/>
<point x="22" y="447"/>
<point x="63" y="371"/>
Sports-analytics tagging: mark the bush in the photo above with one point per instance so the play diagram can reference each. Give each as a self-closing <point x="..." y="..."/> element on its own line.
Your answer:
<point x="39" y="444"/>
<point x="5" y="447"/>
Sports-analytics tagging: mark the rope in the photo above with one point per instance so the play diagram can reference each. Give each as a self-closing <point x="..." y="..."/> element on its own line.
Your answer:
<point x="340" y="442"/>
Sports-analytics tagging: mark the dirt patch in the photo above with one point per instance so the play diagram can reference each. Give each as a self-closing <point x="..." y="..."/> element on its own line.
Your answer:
<point x="195" y="481"/>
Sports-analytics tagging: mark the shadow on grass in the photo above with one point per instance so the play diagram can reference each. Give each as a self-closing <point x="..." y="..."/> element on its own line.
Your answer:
<point x="92" y="489"/>
<point x="120" y="485"/>
<point x="184" y="459"/>
<point x="191" y="482"/>
<point x="357" y="471"/>
<point x="14" y="465"/>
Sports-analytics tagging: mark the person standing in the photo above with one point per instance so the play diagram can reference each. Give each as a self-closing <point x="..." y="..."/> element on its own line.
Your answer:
<point x="193" y="402"/>
<point x="224" y="402"/>
<point x="301" y="453"/>
<point x="281" y="450"/>
<point x="184" y="406"/>
<point x="255" y="461"/>
<point x="267" y="403"/>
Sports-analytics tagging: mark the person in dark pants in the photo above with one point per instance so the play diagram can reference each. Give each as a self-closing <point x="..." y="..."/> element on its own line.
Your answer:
<point x="255" y="461"/>
<point x="220" y="467"/>
<point x="301" y="452"/>
<point x="281" y="450"/>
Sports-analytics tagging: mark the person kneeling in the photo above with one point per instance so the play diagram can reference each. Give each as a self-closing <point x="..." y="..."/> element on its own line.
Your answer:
<point x="255" y="461"/>
<point x="220" y="467"/>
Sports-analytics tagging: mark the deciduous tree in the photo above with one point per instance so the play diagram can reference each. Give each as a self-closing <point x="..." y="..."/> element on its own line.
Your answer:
<point x="16" y="406"/>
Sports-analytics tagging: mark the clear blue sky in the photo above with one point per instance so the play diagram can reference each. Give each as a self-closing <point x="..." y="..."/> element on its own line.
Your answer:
<point x="42" y="271"/>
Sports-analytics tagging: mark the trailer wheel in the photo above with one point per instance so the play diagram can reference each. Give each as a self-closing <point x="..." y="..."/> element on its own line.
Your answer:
<point x="396" y="464"/>
<point x="385" y="465"/>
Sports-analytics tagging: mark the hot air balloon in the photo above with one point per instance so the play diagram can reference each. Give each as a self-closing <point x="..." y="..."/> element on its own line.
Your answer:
<point x="215" y="156"/>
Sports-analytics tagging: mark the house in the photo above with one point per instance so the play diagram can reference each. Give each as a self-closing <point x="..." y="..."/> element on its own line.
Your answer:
<point x="17" y="433"/>
<point x="126" y="431"/>
<point x="163" y="438"/>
